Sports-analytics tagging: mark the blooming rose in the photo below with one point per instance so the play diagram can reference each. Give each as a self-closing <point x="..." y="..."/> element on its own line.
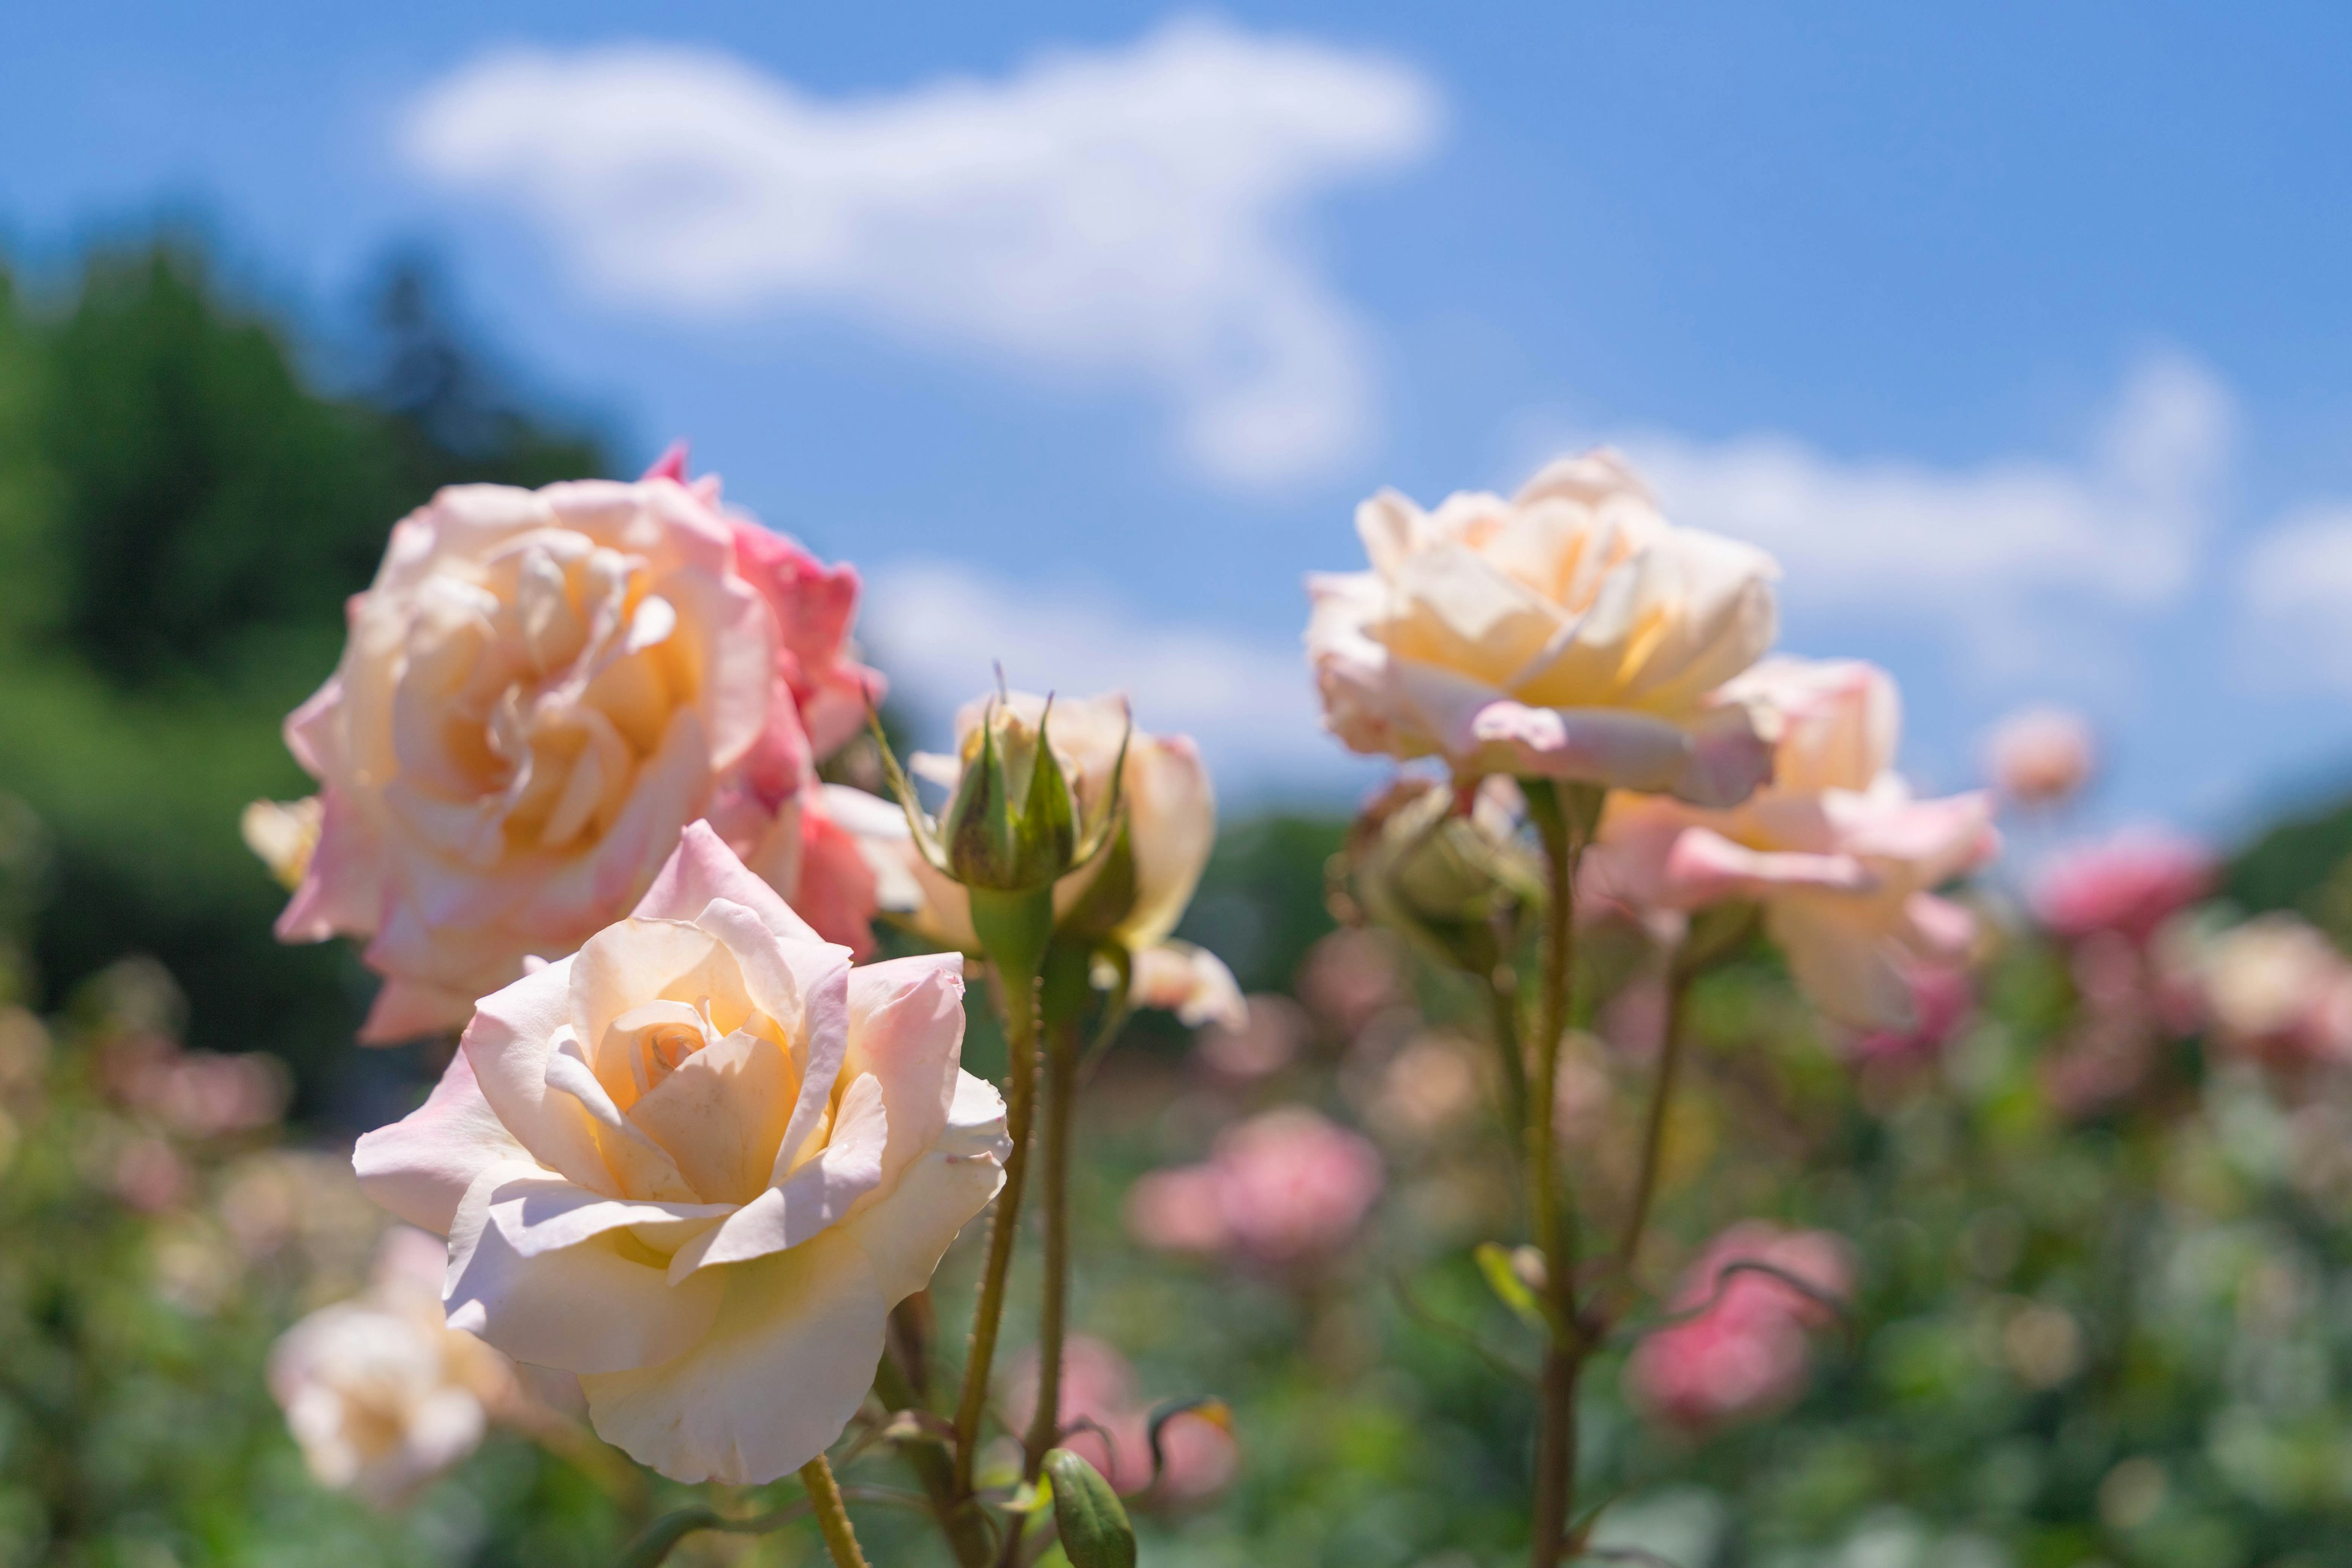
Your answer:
<point x="1283" y="1188"/>
<point x="1745" y="1354"/>
<point x="2129" y="884"/>
<point x="381" y="1395"/>
<point x="1569" y="632"/>
<point x="2040" y="756"/>
<point x="1836" y="850"/>
<point x="696" y="1163"/>
<point x="538" y="691"/>
<point x="1163" y="788"/>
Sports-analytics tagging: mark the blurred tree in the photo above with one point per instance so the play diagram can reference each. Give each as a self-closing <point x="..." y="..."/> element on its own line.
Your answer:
<point x="182" y="513"/>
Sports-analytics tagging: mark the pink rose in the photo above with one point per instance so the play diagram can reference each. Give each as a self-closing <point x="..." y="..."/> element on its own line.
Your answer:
<point x="2277" y="989"/>
<point x="1569" y="632"/>
<point x="1104" y="1420"/>
<point x="1283" y="1189"/>
<point x="538" y="690"/>
<point x="696" y="1163"/>
<point x="1746" y="1354"/>
<point x="2040" y="756"/>
<point x="1842" y="857"/>
<point x="2129" y="884"/>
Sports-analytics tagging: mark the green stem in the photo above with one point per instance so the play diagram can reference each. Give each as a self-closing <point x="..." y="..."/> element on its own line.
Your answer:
<point x="1562" y="816"/>
<point x="959" y="1518"/>
<point x="1503" y="1004"/>
<point x="1061" y="1089"/>
<point x="1019" y="1000"/>
<point x="1654" y="1130"/>
<point x="832" y="1517"/>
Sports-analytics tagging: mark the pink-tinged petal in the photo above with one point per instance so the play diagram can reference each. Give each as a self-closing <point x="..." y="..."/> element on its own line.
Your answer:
<point x="1731" y="756"/>
<point x="420" y="1166"/>
<point x="1704" y="866"/>
<point x="907" y="1229"/>
<point x="702" y="868"/>
<point x="771" y="1385"/>
<point x="778" y="976"/>
<point x="826" y="1020"/>
<point x="905" y="1029"/>
<point x="1938" y="928"/>
<point x="670" y="464"/>
<point x="734" y="642"/>
<point x="563" y="902"/>
<point x="810" y="1200"/>
<point x="513" y="1034"/>
<point x="1942" y="837"/>
<point x="1611" y="746"/>
<point x="589" y="1308"/>
<point x="543" y="1214"/>
<point x="309" y="730"/>
<point x="342" y="889"/>
<point x="1841" y="950"/>
<point x="406" y="1009"/>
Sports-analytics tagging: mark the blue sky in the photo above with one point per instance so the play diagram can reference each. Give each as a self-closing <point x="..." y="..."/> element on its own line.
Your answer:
<point x="2019" y="331"/>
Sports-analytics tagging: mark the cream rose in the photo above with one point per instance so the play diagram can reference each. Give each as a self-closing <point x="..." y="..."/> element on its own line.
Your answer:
<point x="538" y="691"/>
<point x="1570" y="632"/>
<point x="380" y="1395"/>
<point x="696" y="1163"/>
<point x="1840" y="856"/>
<point x="1171" y="821"/>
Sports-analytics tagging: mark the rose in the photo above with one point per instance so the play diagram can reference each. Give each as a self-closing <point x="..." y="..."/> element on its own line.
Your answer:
<point x="2040" y="756"/>
<point x="1569" y="632"/>
<point x="1837" y="851"/>
<point x="1103" y="1419"/>
<point x="538" y="691"/>
<point x="2129" y="885"/>
<point x="696" y="1163"/>
<point x="1132" y="893"/>
<point x="379" y="1394"/>
<point x="1744" y="1354"/>
<point x="1285" y="1188"/>
<point x="2275" y="988"/>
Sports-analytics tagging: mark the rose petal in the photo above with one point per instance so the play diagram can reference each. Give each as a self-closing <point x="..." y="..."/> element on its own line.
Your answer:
<point x="420" y="1166"/>
<point x="785" y="1363"/>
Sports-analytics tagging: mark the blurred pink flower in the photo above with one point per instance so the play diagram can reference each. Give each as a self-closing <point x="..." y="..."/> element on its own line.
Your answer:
<point x="1842" y="856"/>
<point x="1107" y="1423"/>
<point x="1272" y="1030"/>
<point x="539" y="689"/>
<point x="1943" y="1000"/>
<point x="2277" y="989"/>
<point x="1282" y="1189"/>
<point x="2040" y="756"/>
<point x="1745" y="1354"/>
<point x="1350" y="975"/>
<point x="149" y="1176"/>
<point x="194" y="1094"/>
<point x="2129" y="884"/>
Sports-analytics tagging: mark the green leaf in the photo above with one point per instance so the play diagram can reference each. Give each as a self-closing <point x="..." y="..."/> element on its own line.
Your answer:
<point x="1503" y="1279"/>
<point x="1093" y="1523"/>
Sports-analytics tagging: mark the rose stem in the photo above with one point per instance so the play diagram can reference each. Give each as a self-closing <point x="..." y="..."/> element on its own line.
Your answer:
<point x="1018" y="999"/>
<point x="1061" y="1089"/>
<point x="1562" y="818"/>
<point x="832" y="1518"/>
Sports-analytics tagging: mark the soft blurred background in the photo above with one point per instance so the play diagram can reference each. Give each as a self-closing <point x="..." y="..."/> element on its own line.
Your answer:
<point x="2016" y="333"/>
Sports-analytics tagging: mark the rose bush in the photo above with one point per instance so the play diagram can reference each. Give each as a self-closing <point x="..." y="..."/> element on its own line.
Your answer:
<point x="538" y="691"/>
<point x="1569" y="632"/>
<point x="696" y="1163"/>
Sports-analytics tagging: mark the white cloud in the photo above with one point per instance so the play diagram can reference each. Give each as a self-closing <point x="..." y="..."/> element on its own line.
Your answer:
<point x="938" y="627"/>
<point x="1128" y="213"/>
<point x="1984" y="549"/>
<point x="2295" y="590"/>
